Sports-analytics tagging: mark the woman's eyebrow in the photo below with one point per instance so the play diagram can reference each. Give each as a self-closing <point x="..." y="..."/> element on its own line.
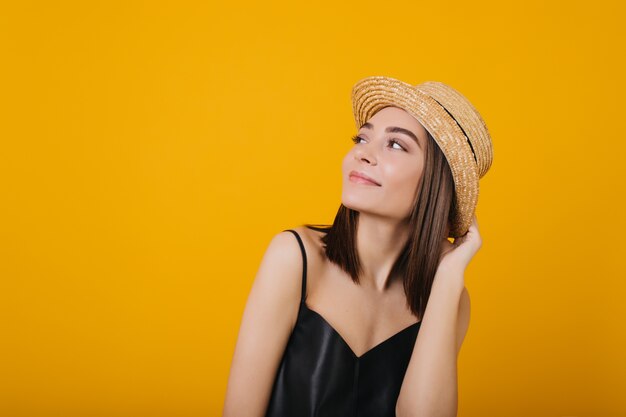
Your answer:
<point x="395" y="129"/>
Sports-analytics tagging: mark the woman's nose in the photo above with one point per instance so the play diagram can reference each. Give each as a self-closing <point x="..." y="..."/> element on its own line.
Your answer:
<point x="364" y="154"/>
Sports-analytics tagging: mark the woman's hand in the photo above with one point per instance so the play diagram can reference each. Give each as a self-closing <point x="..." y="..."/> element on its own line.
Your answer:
<point x="457" y="255"/>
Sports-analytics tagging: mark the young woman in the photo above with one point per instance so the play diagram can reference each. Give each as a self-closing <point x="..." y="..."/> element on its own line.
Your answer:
<point x="366" y="317"/>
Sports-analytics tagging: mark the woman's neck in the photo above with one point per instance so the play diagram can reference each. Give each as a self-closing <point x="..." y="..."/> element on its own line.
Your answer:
<point x="379" y="241"/>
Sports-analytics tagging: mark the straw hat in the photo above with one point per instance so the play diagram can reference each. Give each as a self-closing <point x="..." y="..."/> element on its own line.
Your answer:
<point x="451" y="119"/>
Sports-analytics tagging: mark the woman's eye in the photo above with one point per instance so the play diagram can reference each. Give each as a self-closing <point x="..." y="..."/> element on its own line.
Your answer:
<point x="356" y="139"/>
<point x="397" y="143"/>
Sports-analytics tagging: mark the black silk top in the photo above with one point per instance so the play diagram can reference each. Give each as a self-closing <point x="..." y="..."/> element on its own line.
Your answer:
<point x="320" y="375"/>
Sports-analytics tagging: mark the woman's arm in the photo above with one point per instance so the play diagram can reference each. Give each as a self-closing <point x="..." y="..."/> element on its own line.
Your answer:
<point x="429" y="388"/>
<point x="268" y="319"/>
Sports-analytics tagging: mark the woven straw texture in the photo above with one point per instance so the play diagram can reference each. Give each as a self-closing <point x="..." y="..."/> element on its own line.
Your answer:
<point x="451" y="119"/>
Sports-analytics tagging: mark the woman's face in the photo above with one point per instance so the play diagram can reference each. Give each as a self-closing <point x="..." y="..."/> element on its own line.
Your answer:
<point x="390" y="149"/>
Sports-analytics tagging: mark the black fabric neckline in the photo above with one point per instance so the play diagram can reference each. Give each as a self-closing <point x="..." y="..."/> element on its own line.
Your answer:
<point x="376" y="347"/>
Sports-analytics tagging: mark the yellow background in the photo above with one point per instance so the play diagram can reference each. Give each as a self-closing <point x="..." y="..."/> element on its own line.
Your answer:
<point x="150" y="150"/>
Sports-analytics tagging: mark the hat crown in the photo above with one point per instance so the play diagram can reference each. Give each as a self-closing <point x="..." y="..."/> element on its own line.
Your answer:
<point x="467" y="117"/>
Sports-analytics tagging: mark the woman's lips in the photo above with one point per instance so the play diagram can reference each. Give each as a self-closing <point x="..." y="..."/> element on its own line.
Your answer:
<point x="360" y="180"/>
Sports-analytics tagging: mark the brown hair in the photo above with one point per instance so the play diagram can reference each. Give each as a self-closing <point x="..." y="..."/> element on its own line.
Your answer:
<point x="433" y="211"/>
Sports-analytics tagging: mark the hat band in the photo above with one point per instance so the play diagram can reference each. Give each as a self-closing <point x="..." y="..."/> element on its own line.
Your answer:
<point x="460" y="127"/>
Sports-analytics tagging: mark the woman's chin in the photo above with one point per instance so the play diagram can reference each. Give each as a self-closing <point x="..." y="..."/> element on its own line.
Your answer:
<point x="355" y="204"/>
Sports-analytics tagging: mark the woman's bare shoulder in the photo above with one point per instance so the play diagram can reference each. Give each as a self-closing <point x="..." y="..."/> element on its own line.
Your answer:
<point x="281" y="268"/>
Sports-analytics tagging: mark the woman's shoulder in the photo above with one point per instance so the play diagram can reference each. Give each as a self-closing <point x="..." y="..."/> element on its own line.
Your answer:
<point x="281" y="262"/>
<point x="313" y="248"/>
<point x="284" y="248"/>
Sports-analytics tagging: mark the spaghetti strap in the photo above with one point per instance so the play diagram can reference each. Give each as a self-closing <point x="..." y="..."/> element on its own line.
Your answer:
<point x="302" y="298"/>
